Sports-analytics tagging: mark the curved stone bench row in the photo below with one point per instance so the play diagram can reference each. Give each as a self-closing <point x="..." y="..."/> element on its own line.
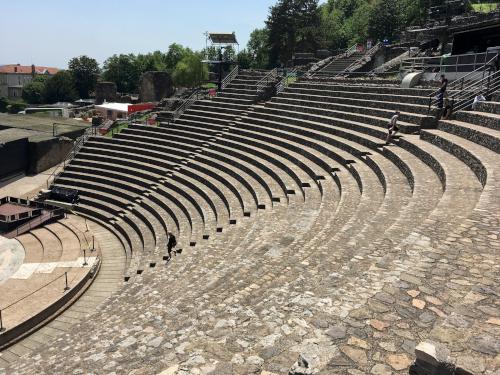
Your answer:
<point x="189" y="179"/>
<point x="371" y="108"/>
<point x="304" y="174"/>
<point x="390" y="170"/>
<point x="290" y="180"/>
<point x="270" y="182"/>
<point x="221" y="173"/>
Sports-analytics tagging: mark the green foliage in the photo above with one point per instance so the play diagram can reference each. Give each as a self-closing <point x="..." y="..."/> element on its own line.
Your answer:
<point x="190" y="71"/>
<point x="124" y="71"/>
<point x="258" y="48"/>
<point x="304" y="26"/>
<point x="385" y="19"/>
<point x="175" y="53"/>
<point x="85" y="71"/>
<point x="293" y="25"/>
<point x="4" y="102"/>
<point x="33" y="91"/>
<point x="244" y="59"/>
<point x="15" y="107"/>
<point x="212" y="53"/>
<point x="156" y="61"/>
<point x="60" y="88"/>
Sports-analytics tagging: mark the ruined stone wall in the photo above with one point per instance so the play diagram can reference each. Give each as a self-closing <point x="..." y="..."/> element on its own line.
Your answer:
<point x="105" y="91"/>
<point x="155" y="86"/>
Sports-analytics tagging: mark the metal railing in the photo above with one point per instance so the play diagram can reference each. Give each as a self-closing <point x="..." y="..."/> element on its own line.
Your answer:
<point x="186" y="104"/>
<point x="267" y="80"/>
<point x="471" y="82"/>
<point x="343" y="54"/>
<point x="34" y="223"/>
<point x="65" y="289"/>
<point x="446" y="64"/>
<point x="79" y="143"/>
<point x="372" y="51"/>
<point x="463" y="100"/>
<point x="227" y="80"/>
<point x="284" y="82"/>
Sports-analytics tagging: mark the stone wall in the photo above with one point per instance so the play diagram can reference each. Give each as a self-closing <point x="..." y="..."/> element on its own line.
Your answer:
<point x="14" y="157"/>
<point x="47" y="153"/>
<point x="105" y="91"/>
<point x="155" y="86"/>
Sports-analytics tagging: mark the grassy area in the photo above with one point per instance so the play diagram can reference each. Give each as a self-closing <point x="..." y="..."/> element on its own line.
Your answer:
<point x="485" y="7"/>
<point x="209" y="86"/>
<point x="116" y="129"/>
<point x="42" y="123"/>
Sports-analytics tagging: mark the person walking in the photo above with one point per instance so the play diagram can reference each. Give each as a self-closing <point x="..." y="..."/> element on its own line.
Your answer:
<point x="392" y="127"/>
<point x="171" y="243"/>
<point x="444" y="84"/>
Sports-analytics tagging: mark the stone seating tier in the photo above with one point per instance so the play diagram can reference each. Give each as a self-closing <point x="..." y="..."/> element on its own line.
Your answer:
<point x="341" y="251"/>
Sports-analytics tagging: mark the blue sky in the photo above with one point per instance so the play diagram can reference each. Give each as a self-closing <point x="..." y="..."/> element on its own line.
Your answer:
<point x="52" y="32"/>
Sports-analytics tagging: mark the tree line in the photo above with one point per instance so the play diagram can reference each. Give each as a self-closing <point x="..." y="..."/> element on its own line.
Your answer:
<point x="305" y="26"/>
<point x="79" y="80"/>
<point x="291" y="26"/>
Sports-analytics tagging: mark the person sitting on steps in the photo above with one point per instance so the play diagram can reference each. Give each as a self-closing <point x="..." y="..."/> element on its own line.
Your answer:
<point x="392" y="127"/>
<point x="446" y="109"/>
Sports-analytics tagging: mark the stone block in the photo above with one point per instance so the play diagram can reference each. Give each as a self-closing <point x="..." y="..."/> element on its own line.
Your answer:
<point x="155" y="86"/>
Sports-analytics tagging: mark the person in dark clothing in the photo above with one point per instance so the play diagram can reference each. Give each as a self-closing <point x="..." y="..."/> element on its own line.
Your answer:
<point x="444" y="84"/>
<point x="447" y="109"/>
<point x="440" y="99"/>
<point x="392" y="127"/>
<point x="172" y="242"/>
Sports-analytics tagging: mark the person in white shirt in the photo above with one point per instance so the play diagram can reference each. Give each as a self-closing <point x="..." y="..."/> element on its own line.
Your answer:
<point x="477" y="99"/>
<point x="392" y="127"/>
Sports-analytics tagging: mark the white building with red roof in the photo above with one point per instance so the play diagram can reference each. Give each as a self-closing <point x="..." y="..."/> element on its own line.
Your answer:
<point x="14" y="76"/>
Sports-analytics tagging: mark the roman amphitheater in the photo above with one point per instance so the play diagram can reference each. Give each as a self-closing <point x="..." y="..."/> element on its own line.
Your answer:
<point x="306" y="244"/>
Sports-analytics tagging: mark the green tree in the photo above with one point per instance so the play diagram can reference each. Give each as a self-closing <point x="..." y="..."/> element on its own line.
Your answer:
<point x="175" y="53"/>
<point x="293" y="26"/>
<point x="258" y="48"/>
<point x="85" y="71"/>
<point x="212" y="53"/>
<point x="16" y="107"/>
<point x="60" y="88"/>
<point x="124" y="71"/>
<point x="155" y="61"/>
<point x="385" y="19"/>
<point x="190" y="71"/>
<point x="244" y="59"/>
<point x="33" y="91"/>
<point x="3" y="104"/>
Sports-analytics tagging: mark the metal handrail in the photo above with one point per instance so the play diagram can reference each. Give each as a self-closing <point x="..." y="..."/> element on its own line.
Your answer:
<point x="487" y="86"/>
<point x="442" y="62"/>
<point x="66" y="288"/>
<point x="370" y="52"/>
<point x="477" y="76"/>
<point x="186" y="104"/>
<point x="283" y="83"/>
<point x="33" y="223"/>
<point x="268" y="78"/>
<point x="79" y="143"/>
<point x="345" y="53"/>
<point x="227" y="80"/>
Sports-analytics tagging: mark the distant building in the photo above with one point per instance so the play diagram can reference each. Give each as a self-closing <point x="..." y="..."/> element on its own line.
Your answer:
<point x="14" y="76"/>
